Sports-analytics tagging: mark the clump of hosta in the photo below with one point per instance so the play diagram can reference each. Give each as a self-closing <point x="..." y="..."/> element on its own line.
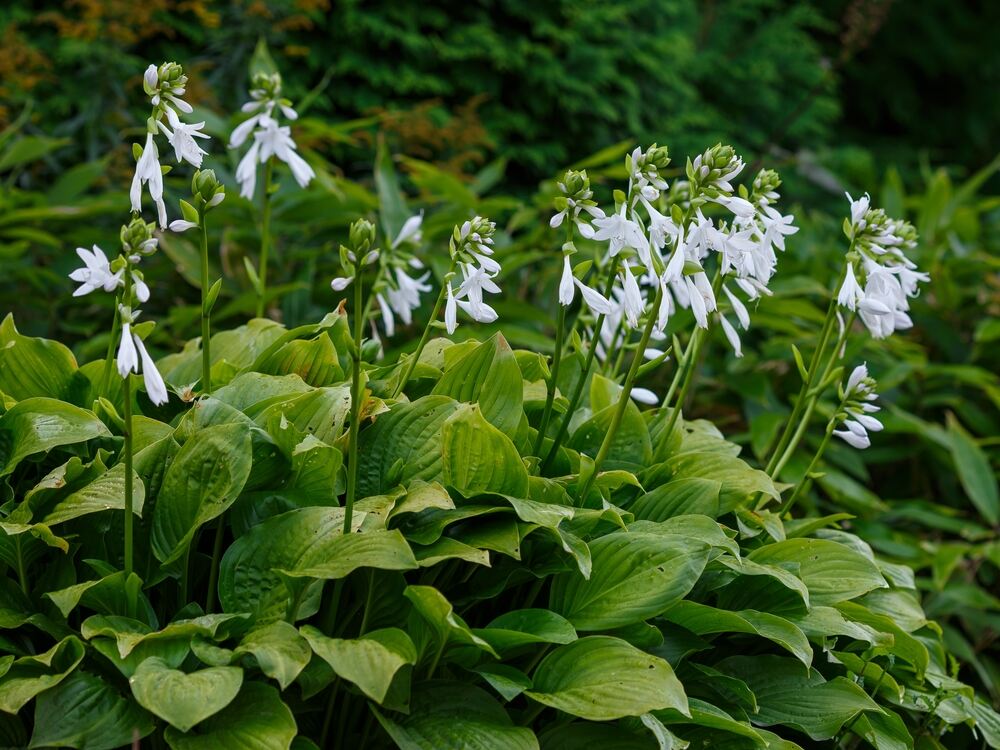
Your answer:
<point x="165" y="85"/>
<point x="879" y="279"/>
<point x="269" y="137"/>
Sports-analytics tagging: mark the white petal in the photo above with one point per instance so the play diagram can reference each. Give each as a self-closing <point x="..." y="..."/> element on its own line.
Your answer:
<point x="596" y="301"/>
<point x="566" y="283"/>
<point x="127" y="359"/>
<point x="155" y="388"/>
<point x="182" y="225"/>
<point x="644" y="396"/>
<point x="450" y="312"/>
<point x="731" y="335"/>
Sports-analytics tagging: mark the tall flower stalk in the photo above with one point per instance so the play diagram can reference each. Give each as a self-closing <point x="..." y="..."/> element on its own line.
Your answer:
<point x="206" y="194"/>
<point x="270" y="141"/>
<point x="471" y="251"/>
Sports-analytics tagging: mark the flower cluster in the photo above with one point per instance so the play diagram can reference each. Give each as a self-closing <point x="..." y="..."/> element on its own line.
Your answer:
<point x="269" y="137"/>
<point x="400" y="293"/>
<point x="471" y="248"/>
<point x="98" y="273"/>
<point x="879" y="277"/>
<point x="672" y="238"/>
<point x="165" y="85"/>
<point x="857" y="409"/>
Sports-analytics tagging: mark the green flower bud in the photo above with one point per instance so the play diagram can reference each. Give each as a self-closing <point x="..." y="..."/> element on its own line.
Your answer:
<point x="361" y="237"/>
<point x="205" y="185"/>
<point x="137" y="236"/>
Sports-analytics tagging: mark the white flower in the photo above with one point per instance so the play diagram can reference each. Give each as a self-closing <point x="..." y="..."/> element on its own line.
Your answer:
<point x="859" y="208"/>
<point x="410" y="231"/>
<point x="850" y="291"/>
<point x="858" y="375"/>
<point x="620" y="232"/>
<point x="155" y="388"/>
<point x="96" y="273"/>
<point x="854" y="440"/>
<point x="776" y="227"/>
<point x="277" y="141"/>
<point x="633" y="302"/>
<point x="404" y="298"/>
<point x="450" y="312"/>
<point x="596" y="301"/>
<point x="141" y="288"/>
<point x="566" y="283"/>
<point x="476" y="281"/>
<point x="340" y="283"/>
<point x="182" y="225"/>
<point x="246" y="171"/>
<point x="151" y="76"/>
<point x="147" y="170"/>
<point x="661" y="227"/>
<point x="731" y="335"/>
<point x="739" y="308"/>
<point x="740" y="207"/>
<point x="182" y="138"/>
<point x="644" y="396"/>
<point x="128" y="360"/>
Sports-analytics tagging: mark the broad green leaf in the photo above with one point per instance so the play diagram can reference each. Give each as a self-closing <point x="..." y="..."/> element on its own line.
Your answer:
<point x="602" y="678"/>
<point x="449" y="714"/>
<point x="631" y="448"/>
<point x="524" y="627"/>
<point x="635" y="576"/>
<point x="85" y="712"/>
<point x="702" y="620"/>
<point x="251" y="392"/>
<point x="403" y="445"/>
<point x="130" y="634"/>
<point x="24" y="678"/>
<point x="832" y="572"/>
<point x="974" y="471"/>
<point x="314" y="360"/>
<point x="33" y="367"/>
<point x="680" y="496"/>
<point x="789" y="695"/>
<point x="738" y="480"/>
<point x="257" y="718"/>
<point x="487" y="375"/>
<point x="508" y="681"/>
<point x="203" y="480"/>
<point x="883" y="731"/>
<point x="586" y="735"/>
<point x="280" y="652"/>
<point x="437" y="612"/>
<point x="258" y="567"/>
<point x="371" y="662"/>
<point x="184" y="699"/>
<point x="321" y="412"/>
<point x="477" y="457"/>
<point x="37" y="425"/>
<point x="108" y="595"/>
<point x="107" y="492"/>
<point x="704" y="714"/>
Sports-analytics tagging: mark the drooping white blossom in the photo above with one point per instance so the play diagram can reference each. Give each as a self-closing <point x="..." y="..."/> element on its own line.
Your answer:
<point x="858" y="396"/>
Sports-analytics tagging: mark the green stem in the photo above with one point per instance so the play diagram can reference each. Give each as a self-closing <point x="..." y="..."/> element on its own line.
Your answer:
<point x="588" y="363"/>
<point x="127" y="393"/>
<point x="687" y="368"/>
<point x="356" y="394"/>
<point x="368" y="603"/>
<point x="265" y="237"/>
<point x="415" y="357"/>
<point x="626" y="394"/>
<point x="109" y="358"/>
<point x="213" y="571"/>
<point x="790" y="502"/>
<point x="800" y="403"/>
<point x="328" y="714"/>
<point x="206" y="356"/>
<point x="612" y="350"/>
<point x="553" y="379"/>
<point x="811" y="398"/>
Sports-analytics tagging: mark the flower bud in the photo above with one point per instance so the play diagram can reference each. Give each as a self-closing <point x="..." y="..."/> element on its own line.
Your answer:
<point x="361" y="237"/>
<point x="205" y="185"/>
<point x="137" y="236"/>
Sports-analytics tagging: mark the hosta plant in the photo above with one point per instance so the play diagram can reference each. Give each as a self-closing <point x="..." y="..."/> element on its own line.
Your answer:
<point x="281" y="538"/>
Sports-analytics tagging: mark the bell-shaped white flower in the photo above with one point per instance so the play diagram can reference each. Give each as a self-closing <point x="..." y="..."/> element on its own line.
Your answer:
<point x="620" y="232"/>
<point x="731" y="335"/>
<point x="644" y="396"/>
<point x="410" y="231"/>
<point x="96" y="272"/>
<point x="633" y="303"/>
<point x="182" y="225"/>
<point x="147" y="171"/>
<point x="566" y="285"/>
<point x="340" y="283"/>
<point x="850" y="291"/>
<point x="182" y="138"/>
<point x="450" y="311"/>
<point x="155" y="387"/>
<point x="140" y="287"/>
<point x="128" y="358"/>
<point x="853" y="439"/>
